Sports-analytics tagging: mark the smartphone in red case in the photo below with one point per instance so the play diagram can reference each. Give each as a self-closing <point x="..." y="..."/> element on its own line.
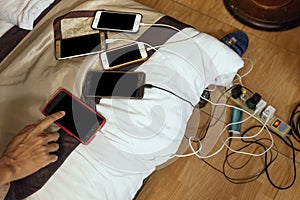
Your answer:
<point x="80" y="120"/>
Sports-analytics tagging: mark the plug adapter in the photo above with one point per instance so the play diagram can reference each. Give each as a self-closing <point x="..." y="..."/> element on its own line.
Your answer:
<point x="253" y="101"/>
<point x="260" y="106"/>
<point x="236" y="91"/>
<point x="268" y="113"/>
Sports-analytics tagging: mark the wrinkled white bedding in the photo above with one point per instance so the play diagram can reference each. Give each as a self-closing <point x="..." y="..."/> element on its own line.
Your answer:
<point x="4" y="27"/>
<point x="22" y="13"/>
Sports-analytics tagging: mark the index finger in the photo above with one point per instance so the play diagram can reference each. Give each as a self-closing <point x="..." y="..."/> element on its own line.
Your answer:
<point x="45" y="123"/>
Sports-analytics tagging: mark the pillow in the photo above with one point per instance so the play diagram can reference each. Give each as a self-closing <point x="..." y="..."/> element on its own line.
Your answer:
<point x="227" y="62"/>
<point x="22" y="13"/>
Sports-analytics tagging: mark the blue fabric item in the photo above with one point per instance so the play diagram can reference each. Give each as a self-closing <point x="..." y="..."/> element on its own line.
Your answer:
<point x="237" y="41"/>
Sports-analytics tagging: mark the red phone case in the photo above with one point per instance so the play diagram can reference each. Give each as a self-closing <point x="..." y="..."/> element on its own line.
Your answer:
<point x="81" y="102"/>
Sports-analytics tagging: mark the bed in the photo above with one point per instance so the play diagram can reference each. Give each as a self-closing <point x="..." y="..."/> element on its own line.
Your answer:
<point x="139" y="135"/>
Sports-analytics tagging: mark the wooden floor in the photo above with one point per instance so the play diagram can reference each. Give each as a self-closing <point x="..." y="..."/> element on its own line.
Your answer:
<point x="276" y="76"/>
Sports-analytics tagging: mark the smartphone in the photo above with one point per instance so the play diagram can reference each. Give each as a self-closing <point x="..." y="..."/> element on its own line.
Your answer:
<point x="80" y="121"/>
<point x="117" y="21"/>
<point x="80" y="46"/>
<point x="123" y="56"/>
<point x="114" y="84"/>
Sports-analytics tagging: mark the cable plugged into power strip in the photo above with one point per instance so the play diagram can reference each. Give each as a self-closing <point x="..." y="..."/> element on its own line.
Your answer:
<point x="254" y="104"/>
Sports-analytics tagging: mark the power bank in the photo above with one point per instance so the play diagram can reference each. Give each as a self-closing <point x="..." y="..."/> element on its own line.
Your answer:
<point x="236" y="116"/>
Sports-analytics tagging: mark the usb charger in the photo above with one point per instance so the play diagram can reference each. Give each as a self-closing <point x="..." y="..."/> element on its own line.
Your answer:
<point x="260" y="106"/>
<point x="268" y="113"/>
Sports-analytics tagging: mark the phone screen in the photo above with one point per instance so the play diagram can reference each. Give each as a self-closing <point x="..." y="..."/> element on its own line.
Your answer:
<point x="80" y="45"/>
<point x="79" y="120"/>
<point x="110" y="84"/>
<point x="117" y="21"/>
<point x="123" y="55"/>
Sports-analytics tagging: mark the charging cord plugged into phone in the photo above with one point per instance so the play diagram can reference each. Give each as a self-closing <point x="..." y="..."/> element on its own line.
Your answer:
<point x="123" y="56"/>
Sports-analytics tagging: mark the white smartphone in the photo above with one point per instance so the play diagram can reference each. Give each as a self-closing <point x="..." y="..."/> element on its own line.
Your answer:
<point x="123" y="56"/>
<point x="117" y="21"/>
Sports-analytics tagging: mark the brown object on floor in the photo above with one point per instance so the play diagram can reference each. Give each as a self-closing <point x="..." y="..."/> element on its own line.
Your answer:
<point x="268" y="15"/>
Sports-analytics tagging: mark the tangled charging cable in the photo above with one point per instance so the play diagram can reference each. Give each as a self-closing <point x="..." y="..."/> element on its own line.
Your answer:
<point x="196" y="152"/>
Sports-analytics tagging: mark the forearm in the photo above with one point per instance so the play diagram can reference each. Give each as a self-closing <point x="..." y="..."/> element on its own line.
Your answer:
<point x="6" y="171"/>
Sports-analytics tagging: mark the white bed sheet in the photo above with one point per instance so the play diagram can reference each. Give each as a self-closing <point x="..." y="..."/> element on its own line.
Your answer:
<point x="140" y="135"/>
<point x="22" y="13"/>
<point x="4" y="27"/>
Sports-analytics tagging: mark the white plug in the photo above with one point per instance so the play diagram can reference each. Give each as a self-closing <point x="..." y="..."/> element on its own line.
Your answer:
<point x="268" y="113"/>
<point x="260" y="106"/>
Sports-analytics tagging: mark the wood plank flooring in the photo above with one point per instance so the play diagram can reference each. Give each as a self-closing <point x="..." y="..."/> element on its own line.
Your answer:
<point x="275" y="75"/>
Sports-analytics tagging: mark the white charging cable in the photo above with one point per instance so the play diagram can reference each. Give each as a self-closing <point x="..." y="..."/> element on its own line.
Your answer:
<point x="240" y="77"/>
<point x="202" y="75"/>
<point x="188" y="37"/>
<point x="234" y="137"/>
<point x="191" y="139"/>
<point x="175" y="42"/>
<point x="166" y="26"/>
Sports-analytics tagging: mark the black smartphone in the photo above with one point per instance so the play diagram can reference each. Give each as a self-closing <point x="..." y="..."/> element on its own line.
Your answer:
<point x="80" y="46"/>
<point x="114" y="84"/>
<point x="116" y="21"/>
<point x="80" y="121"/>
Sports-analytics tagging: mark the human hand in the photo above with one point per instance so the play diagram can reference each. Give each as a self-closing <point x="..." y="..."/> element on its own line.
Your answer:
<point x="30" y="150"/>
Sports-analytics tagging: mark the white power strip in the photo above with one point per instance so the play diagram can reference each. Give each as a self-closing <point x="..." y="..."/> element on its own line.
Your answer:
<point x="274" y="124"/>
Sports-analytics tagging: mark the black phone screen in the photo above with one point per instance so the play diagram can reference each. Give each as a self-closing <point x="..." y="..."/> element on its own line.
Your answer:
<point x="123" y="55"/>
<point x="80" y="45"/>
<point x="78" y="120"/>
<point x="118" y="21"/>
<point x="109" y="84"/>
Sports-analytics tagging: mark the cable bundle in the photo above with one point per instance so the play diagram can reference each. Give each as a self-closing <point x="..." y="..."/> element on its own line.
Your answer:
<point x="269" y="158"/>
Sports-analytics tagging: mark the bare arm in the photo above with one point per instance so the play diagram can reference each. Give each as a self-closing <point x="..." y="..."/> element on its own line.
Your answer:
<point x="30" y="150"/>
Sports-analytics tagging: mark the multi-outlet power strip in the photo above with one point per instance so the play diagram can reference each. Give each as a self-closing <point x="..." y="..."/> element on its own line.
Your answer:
<point x="254" y="104"/>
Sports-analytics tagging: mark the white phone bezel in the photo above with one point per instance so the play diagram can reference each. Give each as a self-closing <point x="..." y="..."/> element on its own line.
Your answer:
<point x="143" y="50"/>
<point x="136" y="25"/>
<point x="105" y="62"/>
